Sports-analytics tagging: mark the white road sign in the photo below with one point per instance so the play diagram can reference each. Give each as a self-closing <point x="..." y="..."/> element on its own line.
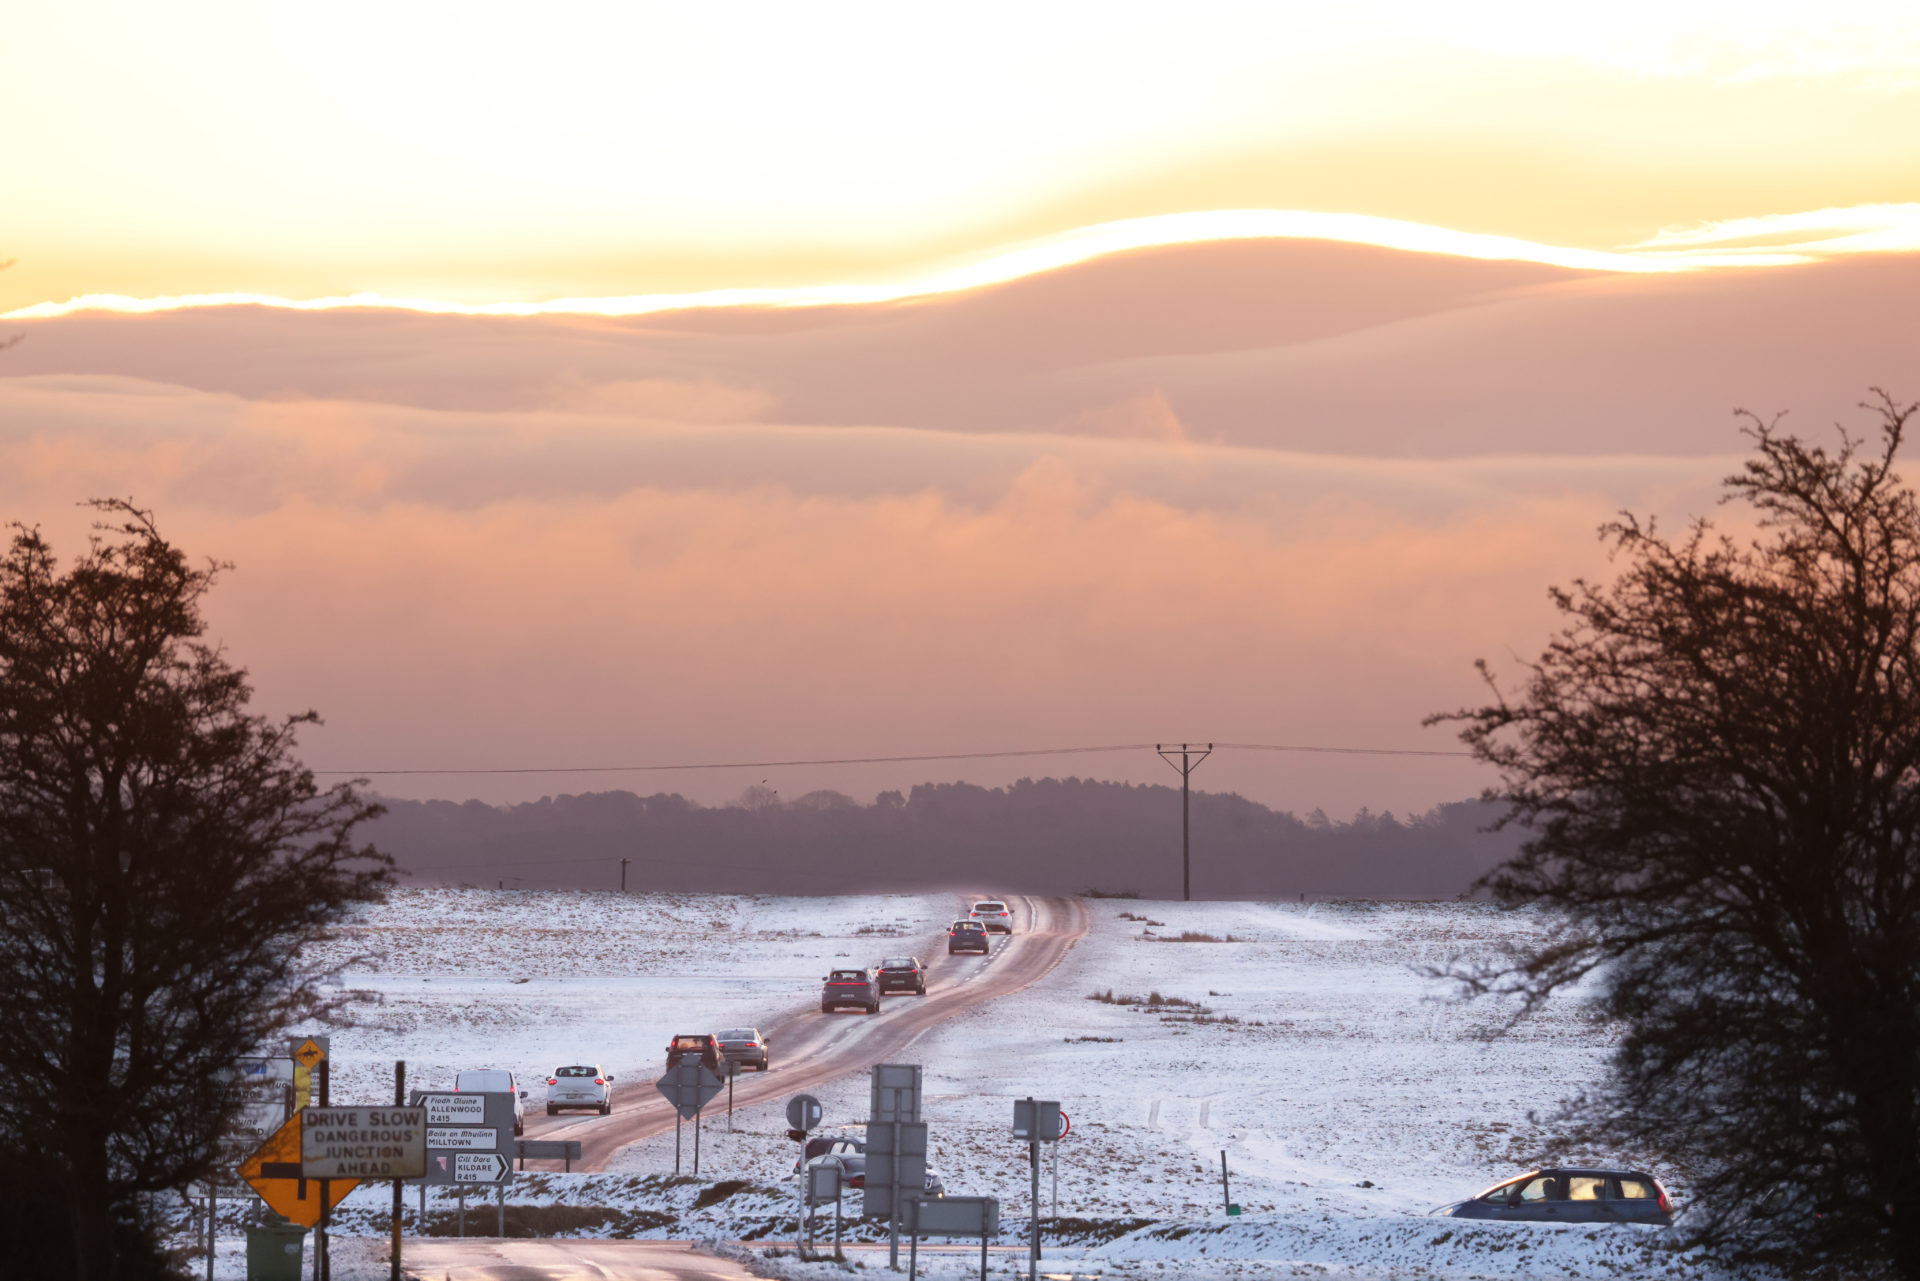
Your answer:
<point x="480" y="1167"/>
<point x="454" y="1109"/>
<point x="463" y="1138"/>
<point x="363" y="1143"/>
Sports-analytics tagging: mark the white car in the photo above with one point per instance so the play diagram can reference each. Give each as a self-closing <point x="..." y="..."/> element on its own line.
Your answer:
<point x="993" y="914"/>
<point x="494" y="1081"/>
<point x="580" y="1085"/>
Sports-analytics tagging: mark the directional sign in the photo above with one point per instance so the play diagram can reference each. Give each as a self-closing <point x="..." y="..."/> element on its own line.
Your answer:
<point x="463" y="1138"/>
<point x="453" y="1109"/>
<point x="363" y="1143"/>
<point x="955" y="1216"/>
<point x="803" y="1112"/>
<point x="274" y="1172"/>
<point x="481" y="1167"/>
<point x="459" y="1126"/>
<point x="688" y="1085"/>
<point x="895" y="1093"/>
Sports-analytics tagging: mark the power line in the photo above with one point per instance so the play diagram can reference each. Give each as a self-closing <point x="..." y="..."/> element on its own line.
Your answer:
<point x="1315" y="749"/>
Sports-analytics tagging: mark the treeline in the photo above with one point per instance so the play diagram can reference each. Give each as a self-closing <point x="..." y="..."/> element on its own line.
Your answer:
<point x="1049" y="835"/>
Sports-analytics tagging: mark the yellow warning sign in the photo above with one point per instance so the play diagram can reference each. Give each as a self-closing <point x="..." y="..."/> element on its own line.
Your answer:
<point x="274" y="1172"/>
<point x="309" y="1054"/>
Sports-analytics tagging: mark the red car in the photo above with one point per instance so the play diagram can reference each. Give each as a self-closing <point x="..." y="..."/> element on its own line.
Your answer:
<point x="698" y="1045"/>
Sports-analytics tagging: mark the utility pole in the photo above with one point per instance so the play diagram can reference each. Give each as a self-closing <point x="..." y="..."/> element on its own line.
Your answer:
<point x="623" y="874"/>
<point x="1190" y="754"/>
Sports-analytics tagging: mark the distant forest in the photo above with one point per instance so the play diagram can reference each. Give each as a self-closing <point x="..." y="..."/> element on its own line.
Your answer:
<point x="1051" y="836"/>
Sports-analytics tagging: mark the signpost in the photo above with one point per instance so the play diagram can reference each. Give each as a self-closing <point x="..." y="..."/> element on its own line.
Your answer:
<point x="803" y="1114"/>
<point x="474" y="1128"/>
<point x="896" y="1133"/>
<point x="567" y="1150"/>
<point x="954" y="1216"/>
<point x="823" y="1183"/>
<point x="689" y="1085"/>
<point x="1037" y="1121"/>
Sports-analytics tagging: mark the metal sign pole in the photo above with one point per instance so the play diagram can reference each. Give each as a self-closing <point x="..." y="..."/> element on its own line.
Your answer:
<point x="913" y="1249"/>
<point x="326" y="1190"/>
<point x="1226" y="1188"/>
<point x="696" y="1145"/>
<point x="399" y="1101"/>
<point x="500" y="1203"/>
<point x="676" y="1144"/>
<point x="1033" y="1237"/>
<point x="733" y="1070"/>
<point x="213" y="1217"/>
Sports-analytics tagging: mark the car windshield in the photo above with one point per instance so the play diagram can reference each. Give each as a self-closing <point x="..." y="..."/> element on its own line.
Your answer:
<point x="849" y="976"/>
<point x="989" y="907"/>
<point x="897" y="963"/>
<point x="575" y="1071"/>
<point x="968" y="925"/>
<point x="738" y="1034"/>
<point x="690" y="1042"/>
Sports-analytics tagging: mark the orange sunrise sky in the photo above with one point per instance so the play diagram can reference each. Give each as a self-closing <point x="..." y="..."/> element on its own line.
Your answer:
<point x="626" y="383"/>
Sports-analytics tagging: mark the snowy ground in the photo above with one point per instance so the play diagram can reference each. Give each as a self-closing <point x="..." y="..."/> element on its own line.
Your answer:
<point x="1349" y="1094"/>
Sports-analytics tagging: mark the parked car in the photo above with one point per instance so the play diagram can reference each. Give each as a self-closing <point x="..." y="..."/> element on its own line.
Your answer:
<point x="851" y="1156"/>
<point x="967" y="936"/>
<point x="1573" y="1196"/>
<point x="580" y="1085"/>
<point x="993" y="914"/>
<point x="494" y="1081"/>
<point x="704" y="1046"/>
<point x="745" y="1046"/>
<point x="903" y="974"/>
<point x="849" y="987"/>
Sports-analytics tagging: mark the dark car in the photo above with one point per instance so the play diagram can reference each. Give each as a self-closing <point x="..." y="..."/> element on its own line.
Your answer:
<point x="903" y="974"/>
<point x="849" y="987"/>
<point x="745" y="1046"/>
<point x="1573" y="1196"/>
<point x="852" y="1157"/>
<point x="697" y="1045"/>
<point x="967" y="936"/>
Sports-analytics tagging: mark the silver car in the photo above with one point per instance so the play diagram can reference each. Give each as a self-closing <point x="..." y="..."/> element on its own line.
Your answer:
<point x="580" y="1085"/>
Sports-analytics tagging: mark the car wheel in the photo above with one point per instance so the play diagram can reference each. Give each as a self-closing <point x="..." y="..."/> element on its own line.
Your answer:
<point x="552" y="1110"/>
<point x="826" y="1009"/>
<point x="606" y="1109"/>
<point x="519" y="1129"/>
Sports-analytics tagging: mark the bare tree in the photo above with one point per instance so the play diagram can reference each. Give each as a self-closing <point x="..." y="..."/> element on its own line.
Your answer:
<point x="1718" y="760"/>
<point x="164" y="858"/>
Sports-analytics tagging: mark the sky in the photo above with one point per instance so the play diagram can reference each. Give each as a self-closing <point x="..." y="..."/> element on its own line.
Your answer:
<point x="642" y="383"/>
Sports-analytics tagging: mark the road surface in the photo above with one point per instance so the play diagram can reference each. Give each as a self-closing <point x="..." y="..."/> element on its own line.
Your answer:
<point x="568" y="1260"/>
<point x="809" y="1048"/>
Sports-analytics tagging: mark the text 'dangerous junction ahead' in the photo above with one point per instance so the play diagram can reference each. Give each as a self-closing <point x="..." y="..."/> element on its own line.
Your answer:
<point x="363" y="1143"/>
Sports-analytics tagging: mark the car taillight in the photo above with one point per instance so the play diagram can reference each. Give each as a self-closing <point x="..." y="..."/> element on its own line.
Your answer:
<point x="596" y="1081"/>
<point x="552" y="1081"/>
<point x="1666" y="1204"/>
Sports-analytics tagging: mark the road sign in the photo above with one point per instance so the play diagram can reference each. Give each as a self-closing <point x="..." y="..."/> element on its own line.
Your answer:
<point x="481" y="1167"/>
<point x="567" y="1150"/>
<point x="363" y="1143"/>
<point x="823" y="1182"/>
<point x="955" y="1216"/>
<point x="803" y="1112"/>
<point x="1066" y="1125"/>
<point x="476" y="1124"/>
<point x="453" y="1109"/>
<point x="895" y="1093"/>
<point x="689" y="1085"/>
<point x="1037" y="1120"/>
<point x="306" y="1053"/>
<point x="273" y="1171"/>
<point x="896" y="1165"/>
<point x="462" y="1138"/>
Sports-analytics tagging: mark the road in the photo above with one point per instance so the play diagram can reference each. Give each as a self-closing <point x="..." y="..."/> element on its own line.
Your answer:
<point x="809" y="1048"/>
<point x="569" y="1260"/>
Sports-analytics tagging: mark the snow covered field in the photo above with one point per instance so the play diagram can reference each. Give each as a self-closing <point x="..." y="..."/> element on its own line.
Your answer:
<point x="1349" y="1093"/>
